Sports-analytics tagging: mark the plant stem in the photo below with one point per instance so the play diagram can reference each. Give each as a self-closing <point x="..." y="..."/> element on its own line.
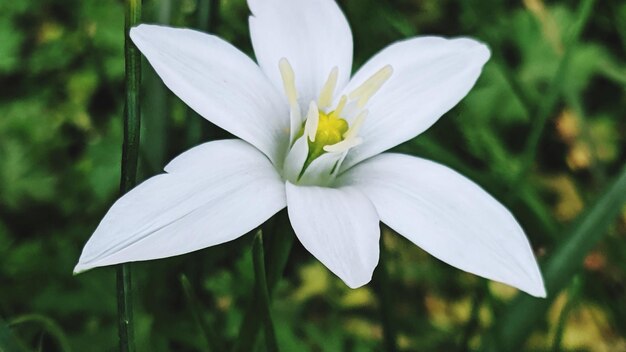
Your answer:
<point x="132" y="112"/>
<point x="263" y="297"/>
<point x="130" y="151"/>
<point x="278" y="245"/>
<point x="156" y="105"/>
<point x="195" y="307"/>
<point x="381" y="287"/>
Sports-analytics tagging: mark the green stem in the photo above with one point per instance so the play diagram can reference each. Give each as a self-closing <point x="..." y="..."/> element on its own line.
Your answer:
<point x="263" y="297"/>
<point x="130" y="152"/>
<point x="524" y="311"/>
<point x="156" y="105"/>
<point x="125" y="309"/>
<point x="132" y="112"/>
<point x="385" y="300"/>
<point x="195" y="307"/>
<point x="278" y="245"/>
<point x="546" y="107"/>
<point x="208" y="15"/>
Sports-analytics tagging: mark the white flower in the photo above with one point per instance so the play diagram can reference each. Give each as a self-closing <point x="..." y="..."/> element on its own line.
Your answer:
<point x="311" y="139"/>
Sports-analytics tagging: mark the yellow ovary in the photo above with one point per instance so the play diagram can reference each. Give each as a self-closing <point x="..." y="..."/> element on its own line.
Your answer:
<point x="330" y="130"/>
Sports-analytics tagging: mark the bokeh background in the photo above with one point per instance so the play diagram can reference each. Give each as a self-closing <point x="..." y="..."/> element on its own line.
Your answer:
<point x="543" y="131"/>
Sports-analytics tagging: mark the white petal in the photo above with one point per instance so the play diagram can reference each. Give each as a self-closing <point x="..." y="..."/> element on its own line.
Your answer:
<point x="321" y="171"/>
<point x="296" y="158"/>
<point x="450" y="217"/>
<point x="339" y="227"/>
<point x="313" y="35"/>
<point x="212" y="194"/>
<point x="220" y="83"/>
<point x="430" y="76"/>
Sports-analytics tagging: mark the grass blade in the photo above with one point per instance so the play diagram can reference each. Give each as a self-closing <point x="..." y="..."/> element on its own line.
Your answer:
<point x="263" y="297"/>
<point x="195" y="307"/>
<point x="278" y="245"/>
<point x="546" y="107"/>
<point x="8" y="342"/>
<point x="383" y="292"/>
<point x="48" y="325"/>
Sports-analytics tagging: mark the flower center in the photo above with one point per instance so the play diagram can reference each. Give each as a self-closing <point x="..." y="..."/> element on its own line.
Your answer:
<point x="330" y="130"/>
<point x="321" y="139"/>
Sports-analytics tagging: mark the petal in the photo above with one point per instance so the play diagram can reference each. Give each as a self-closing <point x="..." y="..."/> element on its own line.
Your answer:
<point x="220" y="83"/>
<point x="211" y="194"/>
<point x="450" y="217"/>
<point x="430" y="76"/>
<point x="313" y="35"/>
<point x="339" y="227"/>
<point x="295" y="159"/>
<point x="321" y="171"/>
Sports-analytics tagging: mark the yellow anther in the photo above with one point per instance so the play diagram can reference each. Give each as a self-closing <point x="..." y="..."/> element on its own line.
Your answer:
<point x="289" y="81"/>
<point x="356" y="125"/>
<point x="326" y="96"/>
<point x="342" y="104"/>
<point x="343" y="145"/>
<point x="366" y="90"/>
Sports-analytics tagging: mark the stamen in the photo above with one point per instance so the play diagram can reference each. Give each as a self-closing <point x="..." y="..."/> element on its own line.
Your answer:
<point x="326" y="96"/>
<point x="356" y="125"/>
<point x="342" y="104"/>
<point x="366" y="90"/>
<point x="312" y="121"/>
<point x="289" y="81"/>
<point x="295" y="118"/>
<point x="343" y="145"/>
<point x="289" y="84"/>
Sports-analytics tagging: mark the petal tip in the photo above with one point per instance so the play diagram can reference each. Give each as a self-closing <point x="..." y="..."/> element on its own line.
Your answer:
<point x="354" y="284"/>
<point x="484" y="52"/>
<point x="533" y="286"/>
<point x="137" y="31"/>
<point x="140" y="27"/>
<point x="539" y="290"/>
<point x="80" y="268"/>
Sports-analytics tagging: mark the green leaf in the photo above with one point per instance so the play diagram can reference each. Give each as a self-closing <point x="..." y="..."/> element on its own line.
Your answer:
<point x="8" y="343"/>
<point x="49" y="325"/>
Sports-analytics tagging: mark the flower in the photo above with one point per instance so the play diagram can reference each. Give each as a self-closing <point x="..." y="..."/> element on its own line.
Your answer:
<point x="311" y="140"/>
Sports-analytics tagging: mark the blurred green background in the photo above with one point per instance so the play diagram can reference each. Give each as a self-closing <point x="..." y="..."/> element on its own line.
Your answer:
<point x="544" y="131"/>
